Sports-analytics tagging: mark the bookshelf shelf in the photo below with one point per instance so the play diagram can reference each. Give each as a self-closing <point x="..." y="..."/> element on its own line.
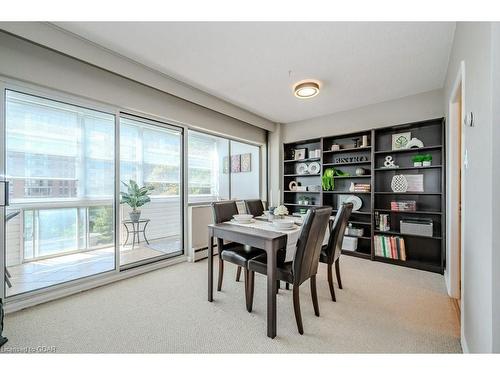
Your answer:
<point x="424" y="253"/>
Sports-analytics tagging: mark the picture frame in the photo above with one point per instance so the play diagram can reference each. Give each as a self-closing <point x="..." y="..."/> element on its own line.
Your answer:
<point x="235" y="163"/>
<point x="246" y="162"/>
<point x="300" y="154"/>
<point x="400" y="140"/>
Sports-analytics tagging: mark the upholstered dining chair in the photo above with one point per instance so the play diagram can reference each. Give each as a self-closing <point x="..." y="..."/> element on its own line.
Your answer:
<point x="254" y="207"/>
<point x="232" y="252"/>
<point x="330" y="253"/>
<point x="304" y="265"/>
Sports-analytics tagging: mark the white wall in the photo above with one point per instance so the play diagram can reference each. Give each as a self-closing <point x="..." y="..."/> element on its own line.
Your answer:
<point x="495" y="264"/>
<point x="28" y="62"/>
<point x="418" y="107"/>
<point x="473" y="45"/>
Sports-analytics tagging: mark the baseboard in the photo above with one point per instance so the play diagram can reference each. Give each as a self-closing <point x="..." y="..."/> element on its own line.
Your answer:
<point x="465" y="347"/>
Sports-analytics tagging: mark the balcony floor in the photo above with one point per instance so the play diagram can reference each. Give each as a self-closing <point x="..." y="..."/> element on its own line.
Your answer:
<point x="43" y="273"/>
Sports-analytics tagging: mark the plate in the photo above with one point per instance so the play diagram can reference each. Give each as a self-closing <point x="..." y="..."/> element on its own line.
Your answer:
<point x="356" y="202"/>
<point x="301" y="168"/>
<point x="243" y="222"/>
<point x="314" y="168"/>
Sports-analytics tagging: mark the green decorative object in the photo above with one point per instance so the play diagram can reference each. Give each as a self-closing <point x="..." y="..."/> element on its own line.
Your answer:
<point x="328" y="178"/>
<point x="135" y="197"/>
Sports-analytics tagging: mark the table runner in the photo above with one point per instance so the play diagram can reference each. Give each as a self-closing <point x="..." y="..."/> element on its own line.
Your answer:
<point x="292" y="234"/>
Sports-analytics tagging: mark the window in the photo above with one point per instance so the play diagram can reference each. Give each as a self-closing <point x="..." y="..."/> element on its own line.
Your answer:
<point x="56" y="150"/>
<point x="150" y="155"/>
<point x="245" y="184"/>
<point x="209" y="168"/>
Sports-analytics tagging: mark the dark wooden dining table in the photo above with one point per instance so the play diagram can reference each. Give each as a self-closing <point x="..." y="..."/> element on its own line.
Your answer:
<point x="266" y="240"/>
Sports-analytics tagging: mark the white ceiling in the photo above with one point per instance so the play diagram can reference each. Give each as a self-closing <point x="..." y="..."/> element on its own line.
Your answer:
<point x="254" y="65"/>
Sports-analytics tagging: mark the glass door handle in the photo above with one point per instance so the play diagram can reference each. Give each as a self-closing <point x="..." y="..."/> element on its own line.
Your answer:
<point x="4" y="193"/>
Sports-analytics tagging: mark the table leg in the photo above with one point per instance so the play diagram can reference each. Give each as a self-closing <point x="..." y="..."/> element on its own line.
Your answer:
<point x="210" y="268"/>
<point x="271" y="292"/>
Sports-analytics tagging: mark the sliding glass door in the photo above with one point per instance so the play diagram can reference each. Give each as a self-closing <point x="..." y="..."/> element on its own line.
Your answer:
<point x="60" y="218"/>
<point x="151" y="191"/>
<point x="59" y="181"/>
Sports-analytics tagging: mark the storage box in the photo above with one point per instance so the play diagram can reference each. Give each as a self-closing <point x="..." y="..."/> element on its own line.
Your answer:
<point x="419" y="227"/>
<point x="350" y="243"/>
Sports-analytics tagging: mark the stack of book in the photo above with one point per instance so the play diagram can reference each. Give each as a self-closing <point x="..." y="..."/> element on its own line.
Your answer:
<point x="361" y="188"/>
<point x="392" y="247"/>
<point x="408" y="206"/>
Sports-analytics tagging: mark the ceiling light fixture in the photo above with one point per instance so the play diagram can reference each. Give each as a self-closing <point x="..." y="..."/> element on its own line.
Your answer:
<point x="306" y="89"/>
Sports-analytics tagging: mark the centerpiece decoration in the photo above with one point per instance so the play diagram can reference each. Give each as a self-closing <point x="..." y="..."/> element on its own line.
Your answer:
<point x="280" y="212"/>
<point x="135" y="197"/>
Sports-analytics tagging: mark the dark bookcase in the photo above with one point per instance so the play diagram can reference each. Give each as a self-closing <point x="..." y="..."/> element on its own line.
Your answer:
<point x="425" y="253"/>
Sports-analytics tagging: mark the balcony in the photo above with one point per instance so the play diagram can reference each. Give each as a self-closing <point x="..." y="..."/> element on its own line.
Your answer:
<point x="56" y="241"/>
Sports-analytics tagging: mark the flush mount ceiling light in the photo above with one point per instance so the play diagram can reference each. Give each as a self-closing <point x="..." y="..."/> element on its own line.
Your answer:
<point x="306" y="90"/>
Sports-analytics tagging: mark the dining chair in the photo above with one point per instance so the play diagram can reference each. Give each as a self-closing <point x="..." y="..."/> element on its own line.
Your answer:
<point x="305" y="262"/>
<point x="232" y="252"/>
<point x="330" y="253"/>
<point x="254" y="207"/>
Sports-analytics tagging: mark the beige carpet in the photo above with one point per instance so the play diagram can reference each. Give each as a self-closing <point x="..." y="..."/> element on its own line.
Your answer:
<point x="382" y="308"/>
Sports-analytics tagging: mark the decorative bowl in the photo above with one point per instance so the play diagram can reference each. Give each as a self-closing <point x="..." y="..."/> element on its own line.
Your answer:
<point x="243" y="218"/>
<point x="283" y="223"/>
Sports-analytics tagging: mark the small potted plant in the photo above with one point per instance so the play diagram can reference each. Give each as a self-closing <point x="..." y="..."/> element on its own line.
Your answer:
<point x="306" y="200"/>
<point x="301" y="200"/>
<point x="417" y="160"/>
<point x="135" y="197"/>
<point x="427" y="160"/>
<point x="280" y="212"/>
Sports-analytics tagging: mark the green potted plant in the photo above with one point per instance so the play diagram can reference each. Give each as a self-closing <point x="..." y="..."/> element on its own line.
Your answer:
<point x="301" y="200"/>
<point x="328" y="178"/>
<point x="417" y="160"/>
<point x="427" y="161"/>
<point x="135" y="197"/>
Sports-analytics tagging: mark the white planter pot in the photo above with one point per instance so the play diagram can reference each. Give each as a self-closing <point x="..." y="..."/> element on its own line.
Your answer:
<point x="426" y="163"/>
<point x="417" y="164"/>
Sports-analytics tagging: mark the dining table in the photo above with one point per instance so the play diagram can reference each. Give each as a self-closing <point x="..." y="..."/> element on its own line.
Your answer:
<point x="263" y="235"/>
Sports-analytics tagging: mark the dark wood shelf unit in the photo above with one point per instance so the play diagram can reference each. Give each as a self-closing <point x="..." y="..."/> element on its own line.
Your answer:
<point x="302" y="160"/>
<point x="346" y="150"/>
<point x="408" y="150"/>
<point x="345" y="164"/>
<point x="302" y="175"/>
<point x="423" y="253"/>
<point x="406" y="168"/>
<point x="302" y="192"/>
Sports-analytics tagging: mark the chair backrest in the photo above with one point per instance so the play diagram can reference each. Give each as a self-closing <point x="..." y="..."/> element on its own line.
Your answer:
<point x="223" y="211"/>
<point x="254" y="207"/>
<point x="334" y="248"/>
<point x="305" y="262"/>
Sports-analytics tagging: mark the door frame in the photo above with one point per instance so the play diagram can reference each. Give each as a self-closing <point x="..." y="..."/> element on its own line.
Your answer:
<point x="454" y="273"/>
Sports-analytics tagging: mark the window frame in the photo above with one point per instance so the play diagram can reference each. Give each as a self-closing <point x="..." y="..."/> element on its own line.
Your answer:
<point x="262" y="174"/>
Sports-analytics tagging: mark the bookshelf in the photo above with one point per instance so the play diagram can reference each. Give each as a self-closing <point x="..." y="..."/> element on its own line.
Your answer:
<point x="422" y="252"/>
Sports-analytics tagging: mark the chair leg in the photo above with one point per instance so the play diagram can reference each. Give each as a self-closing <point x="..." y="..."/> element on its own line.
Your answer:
<point x="287" y="286"/>
<point x="221" y="274"/>
<point x="330" y="281"/>
<point x="314" y="295"/>
<point x="337" y="271"/>
<point x="238" y="273"/>
<point x="250" y="289"/>
<point x="296" y="309"/>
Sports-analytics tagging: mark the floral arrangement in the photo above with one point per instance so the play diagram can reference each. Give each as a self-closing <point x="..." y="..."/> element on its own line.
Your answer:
<point x="281" y="211"/>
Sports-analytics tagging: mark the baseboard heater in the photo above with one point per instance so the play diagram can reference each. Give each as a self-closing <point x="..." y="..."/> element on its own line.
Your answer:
<point x="202" y="253"/>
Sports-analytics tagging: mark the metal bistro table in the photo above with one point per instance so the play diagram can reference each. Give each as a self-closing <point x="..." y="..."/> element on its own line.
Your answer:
<point x="269" y="241"/>
<point x="136" y="230"/>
